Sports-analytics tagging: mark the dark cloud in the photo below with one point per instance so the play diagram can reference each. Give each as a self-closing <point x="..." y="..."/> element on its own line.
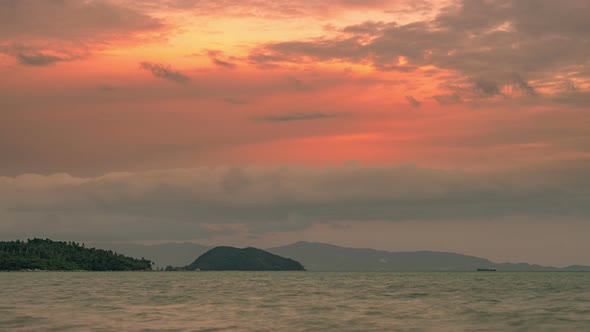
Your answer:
<point x="413" y="102"/>
<point x="299" y="116"/>
<point x="39" y="59"/>
<point x="448" y="99"/>
<point x="266" y="61"/>
<point x="488" y="88"/>
<point x="222" y="63"/>
<point x="165" y="72"/>
<point x="523" y="85"/>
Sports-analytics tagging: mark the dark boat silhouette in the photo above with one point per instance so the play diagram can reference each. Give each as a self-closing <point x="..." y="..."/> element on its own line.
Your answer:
<point x="485" y="270"/>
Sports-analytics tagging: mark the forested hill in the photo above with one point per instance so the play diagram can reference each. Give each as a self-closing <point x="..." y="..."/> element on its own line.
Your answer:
<point x="247" y="259"/>
<point x="39" y="254"/>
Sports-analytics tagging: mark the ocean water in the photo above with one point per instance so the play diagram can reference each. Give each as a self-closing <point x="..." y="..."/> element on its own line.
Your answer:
<point x="294" y="301"/>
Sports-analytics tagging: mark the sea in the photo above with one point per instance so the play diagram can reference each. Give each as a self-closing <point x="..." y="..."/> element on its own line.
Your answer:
<point x="294" y="301"/>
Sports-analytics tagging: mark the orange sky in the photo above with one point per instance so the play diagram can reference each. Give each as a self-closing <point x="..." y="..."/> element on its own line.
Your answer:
<point x="257" y="81"/>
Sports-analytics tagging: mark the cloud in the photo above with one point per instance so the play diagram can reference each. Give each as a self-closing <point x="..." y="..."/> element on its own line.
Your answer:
<point x="322" y="49"/>
<point x="71" y="19"/>
<point x="573" y="98"/>
<point x="107" y="88"/>
<point x="215" y="56"/>
<point x="413" y="102"/>
<point x="270" y="9"/>
<point x="488" y="88"/>
<point x="222" y="63"/>
<point x="39" y="59"/>
<point x="523" y="85"/>
<point x="490" y="41"/>
<point x="370" y="28"/>
<point x="70" y="27"/>
<point x="266" y="61"/>
<point x="165" y="72"/>
<point x="182" y="203"/>
<point x="449" y="99"/>
<point x="299" y="116"/>
<point x="569" y="86"/>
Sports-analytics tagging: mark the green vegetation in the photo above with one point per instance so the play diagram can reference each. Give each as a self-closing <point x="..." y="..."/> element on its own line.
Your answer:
<point x="39" y="254"/>
<point x="248" y="259"/>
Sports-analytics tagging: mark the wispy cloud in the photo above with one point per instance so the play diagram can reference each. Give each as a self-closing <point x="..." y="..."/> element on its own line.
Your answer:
<point x="222" y="63"/>
<point x="523" y="85"/>
<point x="448" y="99"/>
<point x="165" y="72"/>
<point x="271" y="9"/>
<point x="39" y="59"/>
<point x="299" y="116"/>
<point x="412" y="101"/>
<point x="216" y="57"/>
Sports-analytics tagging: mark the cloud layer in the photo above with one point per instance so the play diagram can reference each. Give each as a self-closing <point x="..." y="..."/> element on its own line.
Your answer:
<point x="191" y="203"/>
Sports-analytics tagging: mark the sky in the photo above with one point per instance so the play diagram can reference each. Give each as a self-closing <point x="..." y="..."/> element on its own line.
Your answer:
<point x="451" y="125"/>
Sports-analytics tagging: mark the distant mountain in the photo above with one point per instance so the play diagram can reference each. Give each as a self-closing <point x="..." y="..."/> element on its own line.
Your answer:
<point x="167" y="254"/>
<point x="326" y="257"/>
<point x="39" y="254"/>
<point x="247" y="259"/>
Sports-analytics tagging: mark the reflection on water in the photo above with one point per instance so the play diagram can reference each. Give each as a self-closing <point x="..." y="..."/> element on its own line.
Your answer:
<point x="294" y="301"/>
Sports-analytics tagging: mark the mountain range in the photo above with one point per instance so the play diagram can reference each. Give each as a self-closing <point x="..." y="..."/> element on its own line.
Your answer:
<point x="327" y="257"/>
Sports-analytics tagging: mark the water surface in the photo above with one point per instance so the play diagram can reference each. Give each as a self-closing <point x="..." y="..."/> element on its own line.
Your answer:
<point x="294" y="301"/>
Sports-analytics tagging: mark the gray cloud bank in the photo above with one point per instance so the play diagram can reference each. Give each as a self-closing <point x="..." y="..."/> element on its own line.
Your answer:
<point x="197" y="203"/>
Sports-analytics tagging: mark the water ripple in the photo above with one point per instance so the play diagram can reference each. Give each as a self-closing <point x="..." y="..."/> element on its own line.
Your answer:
<point x="294" y="301"/>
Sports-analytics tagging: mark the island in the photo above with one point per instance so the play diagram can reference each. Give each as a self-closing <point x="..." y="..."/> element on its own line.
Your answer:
<point x="48" y="255"/>
<point x="247" y="259"/>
